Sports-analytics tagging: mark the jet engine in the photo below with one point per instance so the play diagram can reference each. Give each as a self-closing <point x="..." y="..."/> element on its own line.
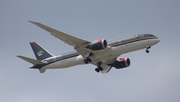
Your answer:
<point x="98" y="45"/>
<point x="121" y="63"/>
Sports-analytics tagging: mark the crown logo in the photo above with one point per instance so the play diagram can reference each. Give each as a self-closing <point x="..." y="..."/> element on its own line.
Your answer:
<point x="40" y="53"/>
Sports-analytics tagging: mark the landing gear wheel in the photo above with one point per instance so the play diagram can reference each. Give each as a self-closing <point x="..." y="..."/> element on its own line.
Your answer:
<point x="87" y="60"/>
<point x="147" y="51"/>
<point x="97" y="70"/>
<point x="100" y="68"/>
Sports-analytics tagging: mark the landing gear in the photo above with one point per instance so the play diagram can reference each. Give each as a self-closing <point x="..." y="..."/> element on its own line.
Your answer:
<point x="99" y="68"/>
<point x="87" y="60"/>
<point x="147" y="49"/>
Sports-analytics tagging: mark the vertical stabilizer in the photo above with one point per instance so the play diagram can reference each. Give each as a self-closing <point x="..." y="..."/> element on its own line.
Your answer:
<point x="39" y="51"/>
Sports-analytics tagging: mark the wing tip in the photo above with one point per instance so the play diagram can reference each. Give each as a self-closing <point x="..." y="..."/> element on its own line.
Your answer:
<point x="18" y="56"/>
<point x="31" y="21"/>
<point x="36" y="23"/>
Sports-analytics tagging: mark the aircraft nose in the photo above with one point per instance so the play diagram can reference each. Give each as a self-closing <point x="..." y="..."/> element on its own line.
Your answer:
<point x="154" y="41"/>
<point x="157" y="40"/>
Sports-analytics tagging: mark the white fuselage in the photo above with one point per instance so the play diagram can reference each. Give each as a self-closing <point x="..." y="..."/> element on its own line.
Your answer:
<point x="103" y="56"/>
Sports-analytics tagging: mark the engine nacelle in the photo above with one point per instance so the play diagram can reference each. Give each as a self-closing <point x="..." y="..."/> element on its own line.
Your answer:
<point x="121" y="63"/>
<point x="98" y="45"/>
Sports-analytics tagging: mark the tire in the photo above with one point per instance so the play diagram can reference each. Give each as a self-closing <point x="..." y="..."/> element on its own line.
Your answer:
<point x="147" y="51"/>
<point x="97" y="70"/>
<point x="100" y="68"/>
<point x="85" y="61"/>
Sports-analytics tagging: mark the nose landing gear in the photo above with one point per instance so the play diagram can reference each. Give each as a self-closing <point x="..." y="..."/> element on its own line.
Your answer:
<point x="147" y="49"/>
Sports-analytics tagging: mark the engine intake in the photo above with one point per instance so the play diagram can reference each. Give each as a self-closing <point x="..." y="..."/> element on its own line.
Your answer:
<point x="98" y="45"/>
<point x="122" y="63"/>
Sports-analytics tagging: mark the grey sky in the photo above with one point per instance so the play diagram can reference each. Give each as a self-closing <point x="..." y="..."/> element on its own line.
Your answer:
<point x="151" y="77"/>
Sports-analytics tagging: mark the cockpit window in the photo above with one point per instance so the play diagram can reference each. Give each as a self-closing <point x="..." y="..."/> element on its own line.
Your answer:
<point x="145" y="35"/>
<point x="129" y="38"/>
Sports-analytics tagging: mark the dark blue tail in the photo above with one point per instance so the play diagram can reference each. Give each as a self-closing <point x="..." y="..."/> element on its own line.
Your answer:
<point x="39" y="51"/>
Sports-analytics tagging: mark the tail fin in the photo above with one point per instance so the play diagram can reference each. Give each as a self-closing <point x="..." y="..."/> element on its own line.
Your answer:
<point x="39" y="51"/>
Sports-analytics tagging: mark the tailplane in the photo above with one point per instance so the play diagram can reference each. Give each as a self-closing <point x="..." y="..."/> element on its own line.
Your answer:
<point x="30" y="60"/>
<point x="40" y="54"/>
<point x="34" y="62"/>
<point x="39" y="51"/>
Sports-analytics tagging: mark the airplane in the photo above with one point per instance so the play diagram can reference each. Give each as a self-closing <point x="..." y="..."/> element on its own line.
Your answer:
<point x="99" y="53"/>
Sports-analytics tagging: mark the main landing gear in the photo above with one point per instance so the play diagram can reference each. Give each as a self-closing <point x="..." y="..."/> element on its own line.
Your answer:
<point x="99" y="68"/>
<point x="87" y="59"/>
<point x="147" y="49"/>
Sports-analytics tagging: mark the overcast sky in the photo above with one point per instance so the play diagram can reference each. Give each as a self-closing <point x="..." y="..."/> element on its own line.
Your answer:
<point x="153" y="77"/>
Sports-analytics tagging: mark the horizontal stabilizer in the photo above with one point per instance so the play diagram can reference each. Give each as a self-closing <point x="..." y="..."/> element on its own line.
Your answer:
<point x="30" y="60"/>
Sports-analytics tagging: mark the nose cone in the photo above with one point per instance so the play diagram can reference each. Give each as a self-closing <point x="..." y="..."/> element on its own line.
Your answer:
<point x="154" y="41"/>
<point x="157" y="40"/>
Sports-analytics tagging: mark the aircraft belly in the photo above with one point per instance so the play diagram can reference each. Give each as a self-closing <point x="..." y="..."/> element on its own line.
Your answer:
<point x="99" y="56"/>
<point x="65" y="63"/>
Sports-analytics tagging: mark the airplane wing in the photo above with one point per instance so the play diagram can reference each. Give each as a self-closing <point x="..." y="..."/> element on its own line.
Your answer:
<point x="71" y="40"/>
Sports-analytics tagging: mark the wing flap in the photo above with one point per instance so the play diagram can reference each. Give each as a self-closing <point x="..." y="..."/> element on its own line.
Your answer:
<point x="106" y="68"/>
